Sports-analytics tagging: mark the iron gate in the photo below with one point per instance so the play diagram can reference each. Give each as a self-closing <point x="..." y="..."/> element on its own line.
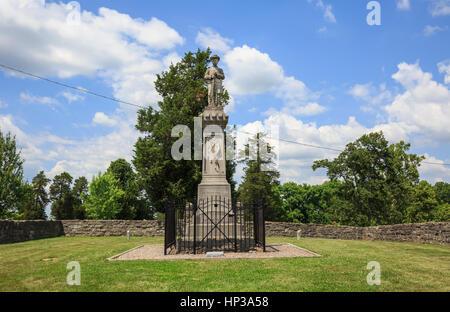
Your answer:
<point x="213" y="224"/>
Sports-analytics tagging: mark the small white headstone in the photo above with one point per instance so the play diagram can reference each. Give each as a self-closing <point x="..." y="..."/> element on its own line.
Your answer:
<point x="299" y="234"/>
<point x="214" y="254"/>
<point x="128" y="235"/>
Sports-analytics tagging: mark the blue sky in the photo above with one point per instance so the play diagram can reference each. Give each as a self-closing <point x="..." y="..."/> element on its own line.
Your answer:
<point x="313" y="68"/>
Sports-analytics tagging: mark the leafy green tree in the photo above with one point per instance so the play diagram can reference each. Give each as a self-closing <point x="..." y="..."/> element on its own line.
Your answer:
<point x="309" y="203"/>
<point x="442" y="213"/>
<point x="183" y="91"/>
<point x="36" y="198"/>
<point x="27" y="210"/>
<point x="11" y="177"/>
<point x="442" y="190"/>
<point x="80" y="186"/>
<point x="261" y="179"/>
<point x="321" y="200"/>
<point x="377" y="179"/>
<point x="132" y="203"/>
<point x="340" y="212"/>
<point x="423" y="204"/>
<point x="62" y="197"/>
<point x="104" y="200"/>
<point x="293" y="199"/>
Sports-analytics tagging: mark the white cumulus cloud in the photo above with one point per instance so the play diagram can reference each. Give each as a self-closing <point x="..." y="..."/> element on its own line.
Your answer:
<point x="295" y="160"/>
<point x="403" y="4"/>
<point x="370" y="94"/>
<point x="101" y="118"/>
<point x="110" y="45"/>
<point x="440" y="7"/>
<point x="444" y="68"/>
<point x="424" y="104"/>
<point x="208" y="38"/>
<point x="251" y="71"/>
<point x="71" y="97"/>
<point x="34" y="99"/>
<point x="431" y="30"/>
<point x="327" y="10"/>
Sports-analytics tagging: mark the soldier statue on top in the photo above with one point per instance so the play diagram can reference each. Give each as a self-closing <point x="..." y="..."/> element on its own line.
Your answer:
<point x="214" y="76"/>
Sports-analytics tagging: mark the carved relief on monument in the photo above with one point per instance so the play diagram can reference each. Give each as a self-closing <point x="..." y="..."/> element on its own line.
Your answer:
<point x="214" y="155"/>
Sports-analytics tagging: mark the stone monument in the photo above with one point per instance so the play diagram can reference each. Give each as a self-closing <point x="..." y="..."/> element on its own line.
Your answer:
<point x="214" y="120"/>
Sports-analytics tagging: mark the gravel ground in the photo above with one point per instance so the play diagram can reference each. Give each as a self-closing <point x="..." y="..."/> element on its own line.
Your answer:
<point x="156" y="252"/>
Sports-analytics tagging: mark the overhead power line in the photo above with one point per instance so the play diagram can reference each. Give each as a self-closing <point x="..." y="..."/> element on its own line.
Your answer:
<point x="69" y="86"/>
<point x="334" y="149"/>
<point x="299" y="143"/>
<point x="140" y="106"/>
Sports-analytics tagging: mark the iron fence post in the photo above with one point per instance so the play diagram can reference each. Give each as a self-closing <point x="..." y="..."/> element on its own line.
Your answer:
<point x="256" y="222"/>
<point x="235" y="227"/>
<point x="195" y="229"/>
<point x="165" y="230"/>
<point x="263" y="225"/>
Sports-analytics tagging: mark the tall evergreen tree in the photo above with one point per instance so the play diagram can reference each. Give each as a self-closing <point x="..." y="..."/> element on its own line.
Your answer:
<point x="36" y="198"/>
<point x="80" y="186"/>
<point x="62" y="197"/>
<point x="261" y="179"/>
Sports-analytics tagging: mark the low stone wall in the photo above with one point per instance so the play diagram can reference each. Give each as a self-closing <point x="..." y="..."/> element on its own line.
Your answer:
<point x="19" y="231"/>
<point x="428" y="233"/>
<point x="313" y="230"/>
<point x="113" y="227"/>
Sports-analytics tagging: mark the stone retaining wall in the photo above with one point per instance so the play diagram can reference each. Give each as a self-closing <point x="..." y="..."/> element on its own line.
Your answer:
<point x="113" y="227"/>
<point x="19" y="231"/>
<point x="429" y="233"/>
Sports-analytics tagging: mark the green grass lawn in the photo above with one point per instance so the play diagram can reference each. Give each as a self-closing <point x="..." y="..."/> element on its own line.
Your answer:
<point x="40" y="265"/>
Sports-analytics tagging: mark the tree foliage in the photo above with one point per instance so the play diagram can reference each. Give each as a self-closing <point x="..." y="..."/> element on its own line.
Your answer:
<point x="261" y="179"/>
<point x="442" y="190"/>
<point x="80" y="186"/>
<point x="378" y="179"/>
<point x="36" y="198"/>
<point x="309" y="203"/>
<point x="133" y="203"/>
<point x="62" y="197"/>
<point x="423" y="203"/>
<point x="11" y="177"/>
<point x="105" y="198"/>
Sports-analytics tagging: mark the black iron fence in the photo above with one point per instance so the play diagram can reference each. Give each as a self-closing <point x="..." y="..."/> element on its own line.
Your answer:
<point x="213" y="224"/>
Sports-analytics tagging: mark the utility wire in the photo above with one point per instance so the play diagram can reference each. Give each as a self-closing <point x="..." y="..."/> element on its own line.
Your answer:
<point x="334" y="149"/>
<point x="140" y="106"/>
<point x="298" y="143"/>
<point x="69" y="86"/>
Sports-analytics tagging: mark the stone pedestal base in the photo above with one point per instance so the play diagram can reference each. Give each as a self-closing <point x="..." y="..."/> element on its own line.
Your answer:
<point x="214" y="192"/>
<point x="214" y="200"/>
<point x="209" y="191"/>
